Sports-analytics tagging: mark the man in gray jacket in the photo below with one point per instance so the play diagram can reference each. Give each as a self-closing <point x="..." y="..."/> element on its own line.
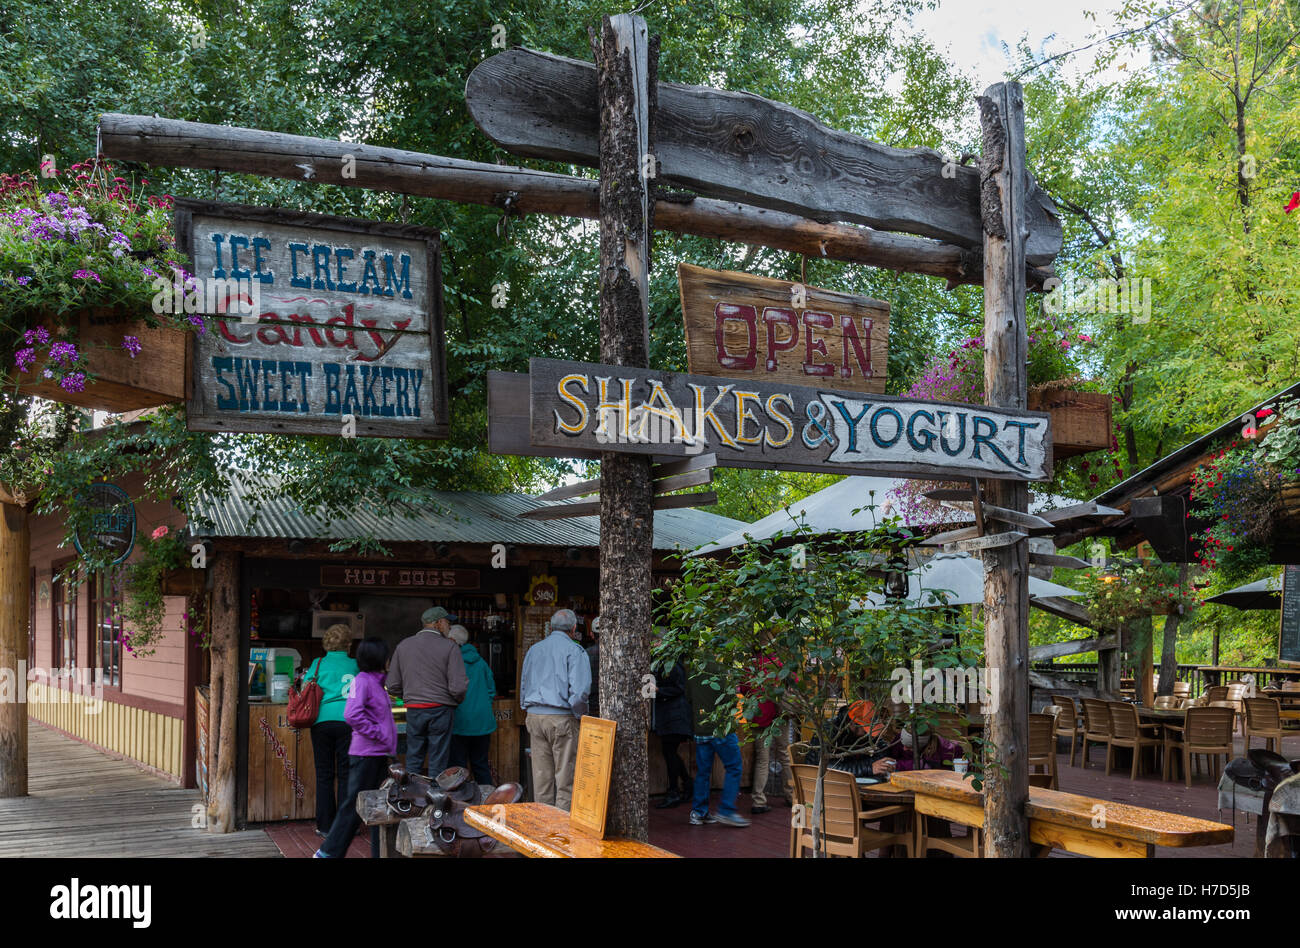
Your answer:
<point x="429" y="673"/>
<point x="553" y="690"/>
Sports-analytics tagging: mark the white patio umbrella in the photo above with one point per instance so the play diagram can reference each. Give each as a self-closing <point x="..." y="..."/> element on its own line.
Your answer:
<point x="961" y="576"/>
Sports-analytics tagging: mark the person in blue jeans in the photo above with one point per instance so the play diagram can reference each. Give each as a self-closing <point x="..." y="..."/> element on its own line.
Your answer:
<point x="707" y="744"/>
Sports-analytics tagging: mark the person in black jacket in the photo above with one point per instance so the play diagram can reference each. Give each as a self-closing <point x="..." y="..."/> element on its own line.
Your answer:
<point x="672" y="722"/>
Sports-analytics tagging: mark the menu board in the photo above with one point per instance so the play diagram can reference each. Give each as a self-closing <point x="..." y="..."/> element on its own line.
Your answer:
<point x="591" y="772"/>
<point x="1288" y="640"/>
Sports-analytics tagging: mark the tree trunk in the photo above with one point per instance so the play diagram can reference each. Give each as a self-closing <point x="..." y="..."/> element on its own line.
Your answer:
<point x="1006" y="569"/>
<point x="1144" y="686"/>
<point x="1169" y="643"/>
<point x="15" y="556"/>
<point x="626" y="60"/>
<point x="223" y="697"/>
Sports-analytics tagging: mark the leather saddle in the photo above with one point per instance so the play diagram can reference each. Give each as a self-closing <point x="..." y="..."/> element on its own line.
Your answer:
<point x="447" y="828"/>
<point x="410" y="794"/>
<point x="1261" y="770"/>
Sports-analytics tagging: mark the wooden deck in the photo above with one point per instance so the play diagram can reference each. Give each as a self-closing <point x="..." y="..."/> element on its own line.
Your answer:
<point x="83" y="803"/>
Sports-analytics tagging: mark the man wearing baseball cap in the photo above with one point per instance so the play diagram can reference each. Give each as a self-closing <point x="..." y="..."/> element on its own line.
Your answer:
<point x="429" y="674"/>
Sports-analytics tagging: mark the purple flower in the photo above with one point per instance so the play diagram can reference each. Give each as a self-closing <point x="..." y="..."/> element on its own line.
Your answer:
<point x="63" y="353"/>
<point x="87" y="275"/>
<point x="73" y="382"/>
<point x="24" y="358"/>
<point x="196" y="321"/>
<point x="56" y="199"/>
<point x="132" y="345"/>
<point x="23" y="281"/>
<point x="39" y="334"/>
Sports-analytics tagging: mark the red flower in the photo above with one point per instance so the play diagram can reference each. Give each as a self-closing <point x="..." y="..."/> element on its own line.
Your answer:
<point x="1292" y="204"/>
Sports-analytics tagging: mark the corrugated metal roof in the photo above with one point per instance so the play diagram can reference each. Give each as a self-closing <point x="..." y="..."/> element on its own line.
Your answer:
<point x="453" y="517"/>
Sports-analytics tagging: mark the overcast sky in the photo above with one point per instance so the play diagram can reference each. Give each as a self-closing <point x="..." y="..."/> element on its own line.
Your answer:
<point x="974" y="31"/>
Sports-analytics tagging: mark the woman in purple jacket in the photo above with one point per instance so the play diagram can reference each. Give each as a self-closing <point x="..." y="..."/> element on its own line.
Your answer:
<point x="374" y="740"/>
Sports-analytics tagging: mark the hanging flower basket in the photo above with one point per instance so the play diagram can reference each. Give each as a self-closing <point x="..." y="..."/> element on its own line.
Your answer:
<point x="129" y="365"/>
<point x="1081" y="421"/>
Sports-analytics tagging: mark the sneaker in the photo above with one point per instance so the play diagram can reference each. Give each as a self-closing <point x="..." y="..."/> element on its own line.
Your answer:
<point x="760" y="808"/>
<point x="731" y="819"/>
<point x="699" y="819"/>
<point x="319" y="855"/>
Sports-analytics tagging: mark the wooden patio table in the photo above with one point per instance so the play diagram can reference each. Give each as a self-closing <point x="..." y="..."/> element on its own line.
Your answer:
<point x="540" y="831"/>
<point x="1066" y="820"/>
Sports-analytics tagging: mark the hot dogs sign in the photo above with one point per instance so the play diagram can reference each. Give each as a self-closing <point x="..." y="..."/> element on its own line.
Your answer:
<point x="587" y="407"/>
<point x="319" y="325"/>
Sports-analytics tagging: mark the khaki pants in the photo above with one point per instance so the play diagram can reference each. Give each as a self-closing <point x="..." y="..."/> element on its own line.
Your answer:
<point x="553" y="739"/>
<point x="763" y="751"/>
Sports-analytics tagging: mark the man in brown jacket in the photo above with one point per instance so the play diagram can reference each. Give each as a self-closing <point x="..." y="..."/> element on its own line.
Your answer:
<point x="429" y="674"/>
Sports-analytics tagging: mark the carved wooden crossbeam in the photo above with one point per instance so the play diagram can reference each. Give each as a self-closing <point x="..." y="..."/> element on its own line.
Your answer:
<point x="668" y="477"/>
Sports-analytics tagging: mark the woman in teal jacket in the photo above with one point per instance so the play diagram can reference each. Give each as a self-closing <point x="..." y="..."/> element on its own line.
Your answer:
<point x="472" y="727"/>
<point x="331" y="735"/>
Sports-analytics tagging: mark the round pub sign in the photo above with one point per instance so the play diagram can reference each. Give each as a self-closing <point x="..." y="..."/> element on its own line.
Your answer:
<point x="112" y="523"/>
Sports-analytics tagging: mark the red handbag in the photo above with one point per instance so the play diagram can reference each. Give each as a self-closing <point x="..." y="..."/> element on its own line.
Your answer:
<point x="304" y="706"/>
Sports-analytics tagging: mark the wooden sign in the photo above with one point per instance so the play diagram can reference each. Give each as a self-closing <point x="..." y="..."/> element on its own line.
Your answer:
<point x="591" y="772"/>
<point x="413" y="579"/>
<point x="752" y="327"/>
<point x="743" y="147"/>
<point x="585" y="407"/>
<point x="1288" y="639"/>
<point x="543" y="591"/>
<point x="347" y="337"/>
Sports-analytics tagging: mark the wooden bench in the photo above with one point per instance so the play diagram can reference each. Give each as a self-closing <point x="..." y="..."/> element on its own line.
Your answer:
<point x="1065" y="821"/>
<point x="540" y="831"/>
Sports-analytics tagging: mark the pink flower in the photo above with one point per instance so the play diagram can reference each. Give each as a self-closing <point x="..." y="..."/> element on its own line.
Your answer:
<point x="1263" y="413"/>
<point x="1084" y="338"/>
<point x="160" y="532"/>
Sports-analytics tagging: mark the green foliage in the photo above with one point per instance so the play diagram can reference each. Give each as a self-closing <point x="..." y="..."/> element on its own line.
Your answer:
<point x="1280" y="448"/>
<point x="1135" y="592"/>
<point x="801" y="607"/>
<point x="144" y="607"/>
<point x="1237" y="494"/>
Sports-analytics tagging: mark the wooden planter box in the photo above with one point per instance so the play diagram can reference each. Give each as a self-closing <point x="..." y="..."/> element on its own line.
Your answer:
<point x="155" y="377"/>
<point x="1080" y="420"/>
<point x="1289" y="514"/>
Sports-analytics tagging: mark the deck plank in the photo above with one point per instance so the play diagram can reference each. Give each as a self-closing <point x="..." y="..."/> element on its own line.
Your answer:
<point x="85" y="804"/>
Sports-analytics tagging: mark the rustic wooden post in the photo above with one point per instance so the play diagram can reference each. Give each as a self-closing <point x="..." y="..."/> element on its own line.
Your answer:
<point x="626" y="60"/>
<point x="1006" y="568"/>
<point x="15" y="554"/>
<point x="223" y="694"/>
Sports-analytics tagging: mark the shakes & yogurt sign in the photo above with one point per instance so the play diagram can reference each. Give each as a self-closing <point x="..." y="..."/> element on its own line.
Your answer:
<point x="585" y="407"/>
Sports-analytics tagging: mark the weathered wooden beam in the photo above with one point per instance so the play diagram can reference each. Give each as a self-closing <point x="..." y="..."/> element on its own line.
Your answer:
<point x="171" y="143"/>
<point x="223" y="693"/>
<point x="15" y="563"/>
<point x="1041" y="653"/>
<point x="685" y="465"/>
<point x="1003" y="189"/>
<point x="1057" y="561"/>
<point x="1089" y="509"/>
<point x="989" y="541"/>
<point x="1046" y="681"/>
<point x="1065" y="608"/>
<point x="663" y="485"/>
<point x="964" y="532"/>
<point x="627" y="59"/>
<point x="1002" y="514"/>
<point x="743" y="147"/>
<point x="590" y="508"/>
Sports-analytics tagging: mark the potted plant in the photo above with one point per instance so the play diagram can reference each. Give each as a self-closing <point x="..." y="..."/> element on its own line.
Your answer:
<point x="1081" y="420"/>
<point x="1134" y="592"/>
<point x="79" y="265"/>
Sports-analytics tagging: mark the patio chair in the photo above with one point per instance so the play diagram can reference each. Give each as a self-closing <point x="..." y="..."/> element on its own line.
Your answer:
<point x="1067" y="722"/>
<point x="1237" y="692"/>
<point x="1096" y="725"/>
<point x="1216" y="693"/>
<point x="1170" y="703"/>
<point x="1264" y="719"/>
<point x="1207" y="731"/>
<point x="1127" y="731"/>
<point x="1042" y="745"/>
<point x="844" y="832"/>
<point x="1183" y="689"/>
